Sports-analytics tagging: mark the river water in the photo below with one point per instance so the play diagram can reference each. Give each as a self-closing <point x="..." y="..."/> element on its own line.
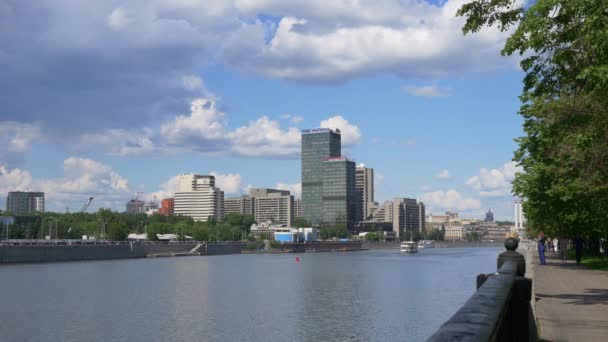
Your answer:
<point x="375" y="295"/>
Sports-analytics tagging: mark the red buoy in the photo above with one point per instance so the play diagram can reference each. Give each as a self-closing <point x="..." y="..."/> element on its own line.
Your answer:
<point x="297" y="259"/>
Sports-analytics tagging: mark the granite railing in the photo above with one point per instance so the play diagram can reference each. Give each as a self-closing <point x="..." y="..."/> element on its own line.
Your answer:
<point x="500" y="309"/>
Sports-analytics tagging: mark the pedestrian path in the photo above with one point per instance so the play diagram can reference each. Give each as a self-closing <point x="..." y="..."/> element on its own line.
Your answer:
<point x="571" y="301"/>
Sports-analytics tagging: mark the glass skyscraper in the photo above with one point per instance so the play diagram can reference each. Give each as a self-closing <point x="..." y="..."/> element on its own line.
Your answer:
<point x="339" y="192"/>
<point x="318" y="145"/>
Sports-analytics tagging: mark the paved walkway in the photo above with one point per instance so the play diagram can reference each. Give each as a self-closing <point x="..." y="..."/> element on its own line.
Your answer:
<point x="571" y="301"/>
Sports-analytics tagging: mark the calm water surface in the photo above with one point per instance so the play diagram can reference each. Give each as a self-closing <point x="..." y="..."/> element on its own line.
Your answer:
<point x="356" y="296"/>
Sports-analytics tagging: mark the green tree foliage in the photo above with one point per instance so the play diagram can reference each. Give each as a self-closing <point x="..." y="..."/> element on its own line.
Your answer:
<point x="472" y="236"/>
<point x="300" y="222"/>
<point x="119" y="225"/>
<point x="371" y="236"/>
<point x="564" y="152"/>
<point x="338" y="231"/>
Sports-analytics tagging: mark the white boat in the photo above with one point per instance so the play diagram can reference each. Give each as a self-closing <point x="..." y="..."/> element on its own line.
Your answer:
<point x="425" y="244"/>
<point x="408" y="247"/>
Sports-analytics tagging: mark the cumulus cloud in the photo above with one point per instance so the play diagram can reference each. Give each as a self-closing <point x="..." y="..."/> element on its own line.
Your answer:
<point x="430" y="91"/>
<point x="494" y="182"/>
<point x="450" y="199"/>
<point x="16" y="139"/>
<point x="444" y="174"/>
<point x="230" y="183"/>
<point x="204" y="127"/>
<point x="350" y="133"/>
<point x="81" y="179"/>
<point x="294" y="189"/>
<point x="317" y="41"/>
<point x="264" y="137"/>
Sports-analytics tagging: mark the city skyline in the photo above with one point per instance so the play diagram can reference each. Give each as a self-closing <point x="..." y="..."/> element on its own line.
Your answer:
<point x="438" y="128"/>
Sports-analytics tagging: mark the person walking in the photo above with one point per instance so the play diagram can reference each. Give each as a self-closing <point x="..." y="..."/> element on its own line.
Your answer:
<point x="578" y="248"/>
<point x="563" y="250"/>
<point x="541" y="247"/>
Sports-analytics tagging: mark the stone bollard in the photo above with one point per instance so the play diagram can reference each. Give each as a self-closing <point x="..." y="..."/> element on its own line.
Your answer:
<point x="511" y="245"/>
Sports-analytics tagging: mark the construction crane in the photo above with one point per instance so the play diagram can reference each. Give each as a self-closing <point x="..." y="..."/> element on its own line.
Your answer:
<point x="85" y="206"/>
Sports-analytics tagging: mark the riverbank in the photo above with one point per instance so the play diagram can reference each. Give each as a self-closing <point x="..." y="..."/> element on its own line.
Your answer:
<point x="51" y="251"/>
<point x="571" y="301"/>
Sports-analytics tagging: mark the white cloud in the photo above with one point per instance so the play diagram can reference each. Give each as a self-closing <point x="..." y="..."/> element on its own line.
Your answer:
<point x="264" y="137"/>
<point x="16" y="139"/>
<point x="379" y="177"/>
<point x="230" y="183"/>
<point x="444" y="174"/>
<point x="166" y="190"/>
<point x="81" y="179"/>
<point x="14" y="180"/>
<point x="319" y="41"/>
<point x="451" y="199"/>
<point x="205" y="129"/>
<point x="119" y="19"/>
<point x="430" y="91"/>
<point x="494" y="182"/>
<point x="203" y="126"/>
<point x="350" y="133"/>
<point x="294" y="189"/>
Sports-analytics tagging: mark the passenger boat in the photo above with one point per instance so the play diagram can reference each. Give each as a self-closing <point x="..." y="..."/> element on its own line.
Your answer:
<point x="425" y="244"/>
<point x="408" y="247"/>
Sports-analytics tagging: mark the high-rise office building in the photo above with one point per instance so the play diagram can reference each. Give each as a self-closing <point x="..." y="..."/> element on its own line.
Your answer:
<point x="365" y="191"/>
<point x="339" y="198"/>
<point x="317" y="145"/>
<point x="408" y="215"/>
<point x="21" y="203"/>
<point x="272" y="204"/>
<point x="242" y="205"/>
<point x="198" y="197"/>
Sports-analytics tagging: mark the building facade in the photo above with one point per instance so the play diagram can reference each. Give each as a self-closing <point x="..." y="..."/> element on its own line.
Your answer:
<point x="364" y="183"/>
<point x="198" y="197"/>
<point x="317" y="146"/>
<point x="297" y="209"/>
<point x="167" y="206"/>
<point x="272" y="204"/>
<point x="339" y="197"/>
<point x="408" y="215"/>
<point x="454" y="233"/>
<point x="242" y="205"/>
<point x="22" y="203"/>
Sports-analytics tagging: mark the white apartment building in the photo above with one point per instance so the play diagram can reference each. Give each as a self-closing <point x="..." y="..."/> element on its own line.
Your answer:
<point x="198" y="197"/>
<point x="271" y="204"/>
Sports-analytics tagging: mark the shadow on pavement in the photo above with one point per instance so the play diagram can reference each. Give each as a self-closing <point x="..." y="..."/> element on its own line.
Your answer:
<point x="590" y="297"/>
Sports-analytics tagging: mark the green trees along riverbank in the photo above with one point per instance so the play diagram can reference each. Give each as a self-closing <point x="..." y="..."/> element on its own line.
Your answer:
<point x="563" y="153"/>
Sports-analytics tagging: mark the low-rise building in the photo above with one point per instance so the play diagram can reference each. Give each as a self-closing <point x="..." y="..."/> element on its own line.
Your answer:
<point x="453" y="233"/>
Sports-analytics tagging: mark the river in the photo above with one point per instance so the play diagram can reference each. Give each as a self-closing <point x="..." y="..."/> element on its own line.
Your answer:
<point x="375" y="295"/>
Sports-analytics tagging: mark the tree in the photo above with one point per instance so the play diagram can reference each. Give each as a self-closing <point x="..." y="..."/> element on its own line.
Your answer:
<point x="564" y="152"/>
<point x="371" y="236"/>
<point x="472" y="236"/>
<point x="300" y="222"/>
<point x="117" y="231"/>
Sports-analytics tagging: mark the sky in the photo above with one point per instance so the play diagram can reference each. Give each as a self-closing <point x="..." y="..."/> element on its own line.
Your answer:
<point x="108" y="98"/>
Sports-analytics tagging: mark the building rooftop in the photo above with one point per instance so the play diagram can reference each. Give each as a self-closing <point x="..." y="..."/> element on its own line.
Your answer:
<point x="319" y="130"/>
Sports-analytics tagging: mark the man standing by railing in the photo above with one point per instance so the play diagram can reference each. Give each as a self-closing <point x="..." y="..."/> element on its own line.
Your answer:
<point x="541" y="247"/>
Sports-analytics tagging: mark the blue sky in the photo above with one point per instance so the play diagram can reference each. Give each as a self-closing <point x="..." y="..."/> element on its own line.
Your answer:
<point x="117" y="97"/>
